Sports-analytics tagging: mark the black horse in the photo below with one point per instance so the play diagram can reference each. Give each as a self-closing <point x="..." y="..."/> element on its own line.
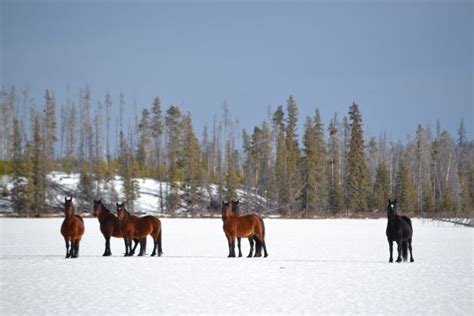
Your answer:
<point x="400" y="230"/>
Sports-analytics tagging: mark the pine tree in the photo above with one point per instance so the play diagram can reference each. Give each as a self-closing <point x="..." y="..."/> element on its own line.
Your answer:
<point x="144" y="144"/>
<point x="18" y="196"/>
<point x="309" y="166"/>
<point x="280" y="162"/>
<point x="405" y="191"/>
<point x="191" y="162"/>
<point x="293" y="159"/>
<point x="447" y="204"/>
<point x="428" y="205"/>
<point x="173" y="128"/>
<point x="357" y="181"/>
<point x="38" y="167"/>
<point x="336" y="197"/>
<point x="50" y="138"/>
<point x="381" y="189"/>
<point x="127" y="172"/>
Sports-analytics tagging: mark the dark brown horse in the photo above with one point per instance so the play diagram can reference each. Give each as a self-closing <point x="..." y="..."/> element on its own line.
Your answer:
<point x="72" y="229"/>
<point x="236" y="211"/>
<point x="400" y="230"/>
<point x="109" y="226"/>
<point x="246" y="226"/>
<point x="140" y="227"/>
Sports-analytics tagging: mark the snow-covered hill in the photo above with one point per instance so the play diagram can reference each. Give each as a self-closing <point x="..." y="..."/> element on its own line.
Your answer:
<point x="152" y="194"/>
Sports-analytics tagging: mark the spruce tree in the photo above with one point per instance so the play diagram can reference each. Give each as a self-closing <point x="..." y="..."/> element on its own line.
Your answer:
<point x="18" y="196"/>
<point x="293" y="158"/>
<point x="357" y="175"/>
<point x="38" y="167"/>
<point x="405" y="191"/>
<point x="335" y="197"/>
<point x="381" y="189"/>
<point x="280" y="161"/>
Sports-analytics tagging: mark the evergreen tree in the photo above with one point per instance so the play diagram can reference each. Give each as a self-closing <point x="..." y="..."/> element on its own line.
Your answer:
<point x="38" y="168"/>
<point x="293" y="158"/>
<point x="50" y="128"/>
<point x="357" y="175"/>
<point x="381" y="190"/>
<point x="280" y="162"/>
<point x="173" y="128"/>
<point x="428" y="205"/>
<point x="405" y="191"/>
<point x="18" y="196"/>
<point x="336" y="197"/>
<point x="447" y="204"/>
<point x="191" y="162"/>
<point x="144" y="150"/>
<point x="127" y="172"/>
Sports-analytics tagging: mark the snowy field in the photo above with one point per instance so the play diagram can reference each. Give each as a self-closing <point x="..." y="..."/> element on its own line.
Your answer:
<point x="315" y="266"/>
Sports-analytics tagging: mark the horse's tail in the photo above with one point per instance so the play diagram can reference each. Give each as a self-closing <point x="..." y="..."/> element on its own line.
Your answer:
<point x="160" y="250"/>
<point x="405" y="250"/>
<point x="263" y="226"/>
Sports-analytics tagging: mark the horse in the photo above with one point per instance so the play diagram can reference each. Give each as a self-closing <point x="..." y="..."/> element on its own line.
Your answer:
<point x="236" y="211"/>
<point x="400" y="230"/>
<point x="109" y="226"/>
<point x="247" y="226"/>
<point x="140" y="227"/>
<point x="72" y="229"/>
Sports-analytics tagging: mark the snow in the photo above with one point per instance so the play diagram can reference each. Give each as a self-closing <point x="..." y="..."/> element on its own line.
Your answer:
<point x="315" y="266"/>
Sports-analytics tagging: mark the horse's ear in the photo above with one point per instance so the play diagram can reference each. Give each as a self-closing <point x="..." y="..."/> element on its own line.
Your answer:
<point x="395" y="201"/>
<point x="65" y="199"/>
<point x="237" y="201"/>
<point x="389" y="202"/>
<point x="117" y="204"/>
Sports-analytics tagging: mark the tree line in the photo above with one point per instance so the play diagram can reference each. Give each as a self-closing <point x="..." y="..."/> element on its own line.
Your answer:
<point x="274" y="167"/>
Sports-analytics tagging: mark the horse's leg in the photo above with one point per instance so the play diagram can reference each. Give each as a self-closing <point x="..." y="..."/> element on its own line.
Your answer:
<point x="77" y="248"/>
<point x="399" y="248"/>
<point x="107" y="246"/>
<point x="155" y="246"/>
<point x="390" y="247"/>
<point x="238" y="244"/>
<point x="68" y="255"/>
<point x="142" y="246"/>
<point x="251" y="242"/>
<point x="136" y="240"/>
<point x="265" y="253"/>
<point x="229" y="244"/>
<point x="126" y="246"/>
<point x="411" y="253"/>
<point x="74" y="249"/>
<point x="232" y="249"/>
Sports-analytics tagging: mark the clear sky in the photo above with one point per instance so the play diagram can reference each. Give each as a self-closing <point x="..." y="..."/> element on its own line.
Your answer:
<point x="403" y="62"/>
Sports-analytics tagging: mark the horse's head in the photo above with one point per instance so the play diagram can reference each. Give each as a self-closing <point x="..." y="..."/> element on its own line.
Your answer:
<point x="226" y="210"/>
<point x="392" y="208"/>
<point x="97" y="208"/>
<point x="68" y="206"/>
<point x="235" y="206"/>
<point x="121" y="211"/>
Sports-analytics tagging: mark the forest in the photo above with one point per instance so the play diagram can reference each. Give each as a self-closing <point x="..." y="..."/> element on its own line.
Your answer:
<point x="325" y="169"/>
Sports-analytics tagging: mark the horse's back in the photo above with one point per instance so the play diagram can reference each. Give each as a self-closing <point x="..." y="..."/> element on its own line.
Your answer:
<point x="247" y="225"/>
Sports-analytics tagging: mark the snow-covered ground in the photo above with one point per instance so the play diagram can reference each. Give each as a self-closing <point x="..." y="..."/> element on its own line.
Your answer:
<point x="315" y="266"/>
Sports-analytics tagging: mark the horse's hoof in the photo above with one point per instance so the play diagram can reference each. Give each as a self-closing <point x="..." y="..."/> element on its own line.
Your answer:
<point x="266" y="255"/>
<point x="399" y="260"/>
<point x="412" y="260"/>
<point x="390" y="260"/>
<point x="160" y="253"/>
<point x="249" y="256"/>
<point x="240" y="255"/>
<point x="153" y="254"/>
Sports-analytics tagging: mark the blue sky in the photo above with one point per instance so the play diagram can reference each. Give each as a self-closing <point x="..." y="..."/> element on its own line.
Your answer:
<point x="403" y="63"/>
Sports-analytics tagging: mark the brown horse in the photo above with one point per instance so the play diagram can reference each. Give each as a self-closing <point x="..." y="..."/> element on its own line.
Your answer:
<point x="236" y="211"/>
<point x="140" y="227"/>
<point x="109" y="226"/>
<point x="246" y="226"/>
<point x="72" y="229"/>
